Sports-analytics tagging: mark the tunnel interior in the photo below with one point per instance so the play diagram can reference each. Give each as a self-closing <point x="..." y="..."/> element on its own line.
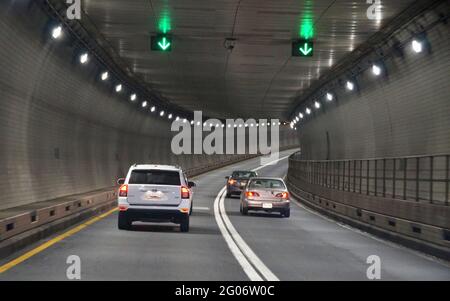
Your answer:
<point x="352" y="96"/>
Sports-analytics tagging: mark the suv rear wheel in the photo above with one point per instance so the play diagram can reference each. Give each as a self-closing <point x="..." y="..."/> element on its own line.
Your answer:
<point x="123" y="222"/>
<point x="184" y="225"/>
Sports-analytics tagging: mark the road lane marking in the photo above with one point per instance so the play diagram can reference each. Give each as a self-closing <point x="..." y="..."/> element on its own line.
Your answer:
<point x="201" y="208"/>
<point x="270" y="163"/>
<point x="240" y="249"/>
<point x="243" y="246"/>
<point x="237" y="253"/>
<point x="53" y="241"/>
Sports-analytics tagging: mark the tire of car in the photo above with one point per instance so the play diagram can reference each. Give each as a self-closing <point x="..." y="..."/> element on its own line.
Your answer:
<point x="123" y="222"/>
<point x="244" y="210"/>
<point x="184" y="225"/>
<point x="228" y="195"/>
<point x="190" y="210"/>
<point x="287" y="213"/>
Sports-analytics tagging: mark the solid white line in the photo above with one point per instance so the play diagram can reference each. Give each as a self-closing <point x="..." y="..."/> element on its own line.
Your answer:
<point x="201" y="208"/>
<point x="254" y="259"/>
<point x="240" y="257"/>
<point x="237" y="245"/>
<point x="270" y="163"/>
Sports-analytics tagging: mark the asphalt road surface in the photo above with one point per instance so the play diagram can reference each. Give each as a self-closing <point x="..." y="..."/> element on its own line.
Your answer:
<point x="224" y="245"/>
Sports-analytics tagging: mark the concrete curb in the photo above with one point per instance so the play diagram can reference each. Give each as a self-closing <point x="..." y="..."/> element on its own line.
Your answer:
<point x="24" y="239"/>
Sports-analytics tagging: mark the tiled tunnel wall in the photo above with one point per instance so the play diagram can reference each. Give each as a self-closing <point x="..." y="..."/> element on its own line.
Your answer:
<point x="406" y="113"/>
<point x="64" y="132"/>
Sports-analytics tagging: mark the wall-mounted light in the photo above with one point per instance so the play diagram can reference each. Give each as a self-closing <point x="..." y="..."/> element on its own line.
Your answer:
<point x="133" y="97"/>
<point x="329" y="96"/>
<point x="350" y="86"/>
<point x="161" y="113"/>
<point x="317" y="105"/>
<point x="153" y="109"/>
<point x="416" y="46"/>
<point x="169" y="116"/>
<point x="84" y="57"/>
<point x="376" y="70"/>
<point x="57" y="32"/>
<point x="104" y="75"/>
<point x="308" y="111"/>
<point x="144" y="104"/>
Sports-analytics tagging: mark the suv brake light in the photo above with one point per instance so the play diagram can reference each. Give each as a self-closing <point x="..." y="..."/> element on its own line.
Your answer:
<point x="184" y="192"/>
<point x="123" y="190"/>
<point x="283" y="195"/>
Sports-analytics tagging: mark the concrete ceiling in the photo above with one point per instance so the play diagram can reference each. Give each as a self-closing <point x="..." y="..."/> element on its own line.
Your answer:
<point x="259" y="78"/>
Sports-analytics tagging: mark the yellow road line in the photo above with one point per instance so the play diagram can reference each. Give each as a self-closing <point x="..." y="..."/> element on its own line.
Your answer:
<point x="53" y="241"/>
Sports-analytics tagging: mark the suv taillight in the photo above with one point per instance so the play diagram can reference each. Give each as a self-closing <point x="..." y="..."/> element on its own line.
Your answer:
<point x="184" y="192"/>
<point x="123" y="190"/>
<point x="283" y="195"/>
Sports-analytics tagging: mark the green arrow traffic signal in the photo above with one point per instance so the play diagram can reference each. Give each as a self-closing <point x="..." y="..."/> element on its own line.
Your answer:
<point x="164" y="44"/>
<point x="161" y="42"/>
<point x="306" y="49"/>
<point x="303" y="48"/>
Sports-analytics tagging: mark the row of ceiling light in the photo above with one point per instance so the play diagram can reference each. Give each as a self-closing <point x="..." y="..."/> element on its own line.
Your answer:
<point x="83" y="58"/>
<point x="417" y="46"/>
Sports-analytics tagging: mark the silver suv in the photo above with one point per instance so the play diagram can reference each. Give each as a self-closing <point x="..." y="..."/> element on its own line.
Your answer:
<point x="155" y="193"/>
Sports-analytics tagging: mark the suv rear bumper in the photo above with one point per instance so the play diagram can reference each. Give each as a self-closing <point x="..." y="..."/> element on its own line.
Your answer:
<point x="153" y="215"/>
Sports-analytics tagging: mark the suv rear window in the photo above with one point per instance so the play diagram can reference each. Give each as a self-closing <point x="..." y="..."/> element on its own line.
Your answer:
<point x="156" y="177"/>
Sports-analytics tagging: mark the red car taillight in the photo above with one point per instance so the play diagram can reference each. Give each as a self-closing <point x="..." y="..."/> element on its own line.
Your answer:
<point x="184" y="192"/>
<point x="123" y="190"/>
<point x="251" y="194"/>
<point x="283" y="195"/>
<point x="123" y="207"/>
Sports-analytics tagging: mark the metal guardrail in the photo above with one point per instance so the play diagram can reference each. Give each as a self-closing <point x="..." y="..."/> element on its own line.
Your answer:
<point x="416" y="178"/>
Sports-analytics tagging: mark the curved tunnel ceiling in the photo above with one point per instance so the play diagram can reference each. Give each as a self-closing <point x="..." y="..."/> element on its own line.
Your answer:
<point x="259" y="78"/>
